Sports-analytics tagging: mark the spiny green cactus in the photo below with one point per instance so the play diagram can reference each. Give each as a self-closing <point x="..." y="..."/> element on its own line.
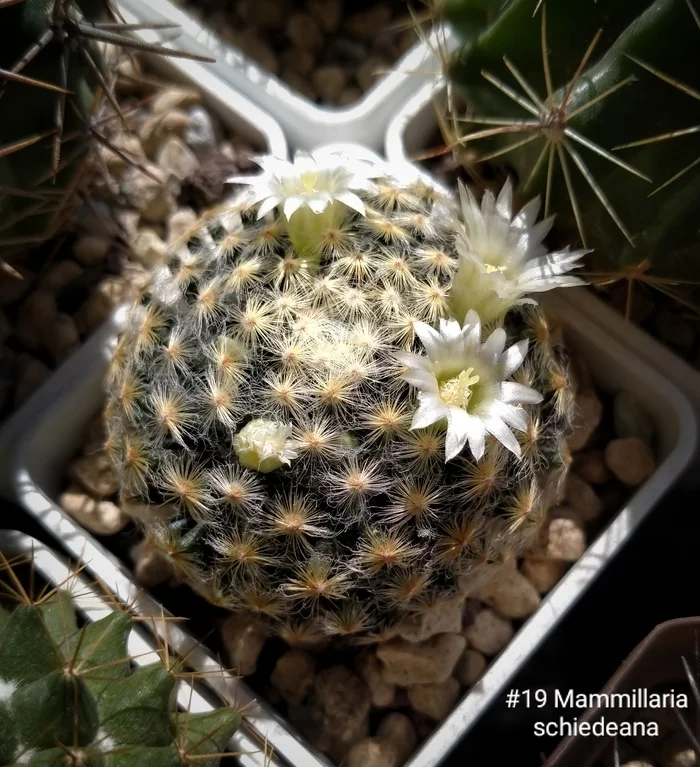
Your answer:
<point x="568" y="95"/>
<point x="269" y="401"/>
<point x="53" y="80"/>
<point x="69" y="696"/>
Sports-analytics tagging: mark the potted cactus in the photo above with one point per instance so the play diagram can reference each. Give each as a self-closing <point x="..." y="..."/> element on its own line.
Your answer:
<point x="317" y="430"/>
<point x="337" y="412"/>
<point x="71" y="691"/>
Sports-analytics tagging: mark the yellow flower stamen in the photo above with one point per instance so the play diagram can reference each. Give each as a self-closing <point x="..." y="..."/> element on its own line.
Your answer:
<point x="458" y="390"/>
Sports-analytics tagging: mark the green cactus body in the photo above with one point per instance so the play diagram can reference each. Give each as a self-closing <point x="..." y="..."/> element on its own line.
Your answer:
<point x="70" y="696"/>
<point x="258" y="391"/>
<point x="620" y="220"/>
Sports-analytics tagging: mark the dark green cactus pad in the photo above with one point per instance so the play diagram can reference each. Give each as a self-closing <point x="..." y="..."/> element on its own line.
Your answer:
<point x="69" y="692"/>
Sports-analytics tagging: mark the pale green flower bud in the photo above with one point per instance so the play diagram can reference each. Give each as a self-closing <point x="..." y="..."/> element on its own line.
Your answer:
<point x="264" y="445"/>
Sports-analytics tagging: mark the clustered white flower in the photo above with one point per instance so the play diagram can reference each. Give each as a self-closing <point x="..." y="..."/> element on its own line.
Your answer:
<point x="462" y="381"/>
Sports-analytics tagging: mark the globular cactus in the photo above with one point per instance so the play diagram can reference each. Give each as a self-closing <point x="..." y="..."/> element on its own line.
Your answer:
<point x="53" y="80"/>
<point x="69" y="695"/>
<point x="273" y="416"/>
<point x="595" y="106"/>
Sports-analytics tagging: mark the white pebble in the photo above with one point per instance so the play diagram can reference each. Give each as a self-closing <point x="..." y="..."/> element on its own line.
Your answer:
<point x="151" y="566"/>
<point x="148" y="248"/>
<point x="304" y="32"/>
<point x="434" y="700"/>
<point x="408" y="663"/>
<point x="90" y="250"/>
<point x="444" y="617"/>
<point x="99" y="517"/>
<point x="61" y="337"/>
<point x="342" y="704"/>
<point x="371" y="752"/>
<point x="470" y="667"/>
<point x="582" y="497"/>
<point x="489" y="633"/>
<point x="60" y="275"/>
<point x="96" y="474"/>
<point x="179" y="223"/>
<point x="591" y="467"/>
<point x="398" y="730"/>
<point x="200" y="135"/>
<point x="176" y="159"/>
<point x="293" y="675"/>
<point x="148" y="194"/>
<point x="244" y="638"/>
<point x="370" y="670"/>
<point x="630" y="460"/>
<point x="511" y="594"/>
<point x="543" y="574"/>
<point x="566" y="539"/>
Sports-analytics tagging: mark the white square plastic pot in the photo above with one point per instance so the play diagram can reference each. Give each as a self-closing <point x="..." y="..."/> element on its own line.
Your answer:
<point x="409" y="134"/>
<point x="306" y="124"/>
<point x="238" y="115"/>
<point x="93" y="605"/>
<point x="75" y="395"/>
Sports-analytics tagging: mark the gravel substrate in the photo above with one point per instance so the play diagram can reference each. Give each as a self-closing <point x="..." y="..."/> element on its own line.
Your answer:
<point x="330" y="51"/>
<point x="371" y="706"/>
<point x="72" y="284"/>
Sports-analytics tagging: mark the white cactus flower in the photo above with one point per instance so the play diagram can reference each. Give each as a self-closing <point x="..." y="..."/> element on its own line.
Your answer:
<point x="316" y="192"/>
<point x="502" y="258"/>
<point x="264" y="445"/>
<point x="466" y="383"/>
<point x="314" y="180"/>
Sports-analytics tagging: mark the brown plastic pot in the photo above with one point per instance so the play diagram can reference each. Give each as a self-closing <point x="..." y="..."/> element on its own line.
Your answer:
<point x="655" y="662"/>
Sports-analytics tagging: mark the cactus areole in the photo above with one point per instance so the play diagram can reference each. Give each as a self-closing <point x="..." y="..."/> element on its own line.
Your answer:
<point x="341" y="383"/>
